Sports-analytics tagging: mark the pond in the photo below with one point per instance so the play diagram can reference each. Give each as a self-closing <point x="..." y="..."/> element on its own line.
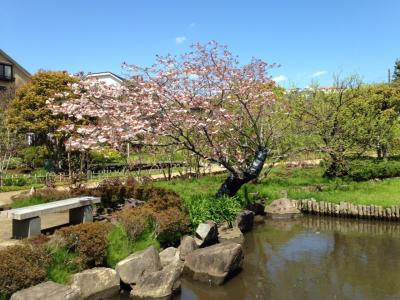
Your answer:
<point x="313" y="258"/>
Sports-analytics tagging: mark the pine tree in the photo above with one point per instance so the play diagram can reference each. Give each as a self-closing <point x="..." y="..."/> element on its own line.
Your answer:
<point x="396" y="71"/>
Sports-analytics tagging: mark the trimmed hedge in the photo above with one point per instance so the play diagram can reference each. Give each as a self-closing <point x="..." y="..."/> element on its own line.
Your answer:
<point x="89" y="240"/>
<point x="21" y="267"/>
<point x="361" y="170"/>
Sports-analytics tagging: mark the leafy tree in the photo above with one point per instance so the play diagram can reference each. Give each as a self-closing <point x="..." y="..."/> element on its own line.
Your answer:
<point x="375" y="115"/>
<point x="349" y="119"/>
<point x="204" y="101"/>
<point x="324" y="116"/>
<point x="28" y="112"/>
<point x="10" y="142"/>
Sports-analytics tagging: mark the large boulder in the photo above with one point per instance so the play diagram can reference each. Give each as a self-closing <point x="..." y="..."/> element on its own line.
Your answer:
<point x="47" y="290"/>
<point x="207" y="234"/>
<point x="214" y="264"/>
<point x="96" y="283"/>
<point x="168" y="256"/>
<point x="137" y="264"/>
<point x="161" y="284"/>
<point x="188" y="245"/>
<point x="282" y="209"/>
<point x="227" y="234"/>
<point x="245" y="220"/>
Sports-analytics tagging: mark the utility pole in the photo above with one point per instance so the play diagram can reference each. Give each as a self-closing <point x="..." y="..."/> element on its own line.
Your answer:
<point x="389" y="76"/>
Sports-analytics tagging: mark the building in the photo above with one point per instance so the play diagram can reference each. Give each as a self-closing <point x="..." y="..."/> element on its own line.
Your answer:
<point x="106" y="77"/>
<point x="12" y="74"/>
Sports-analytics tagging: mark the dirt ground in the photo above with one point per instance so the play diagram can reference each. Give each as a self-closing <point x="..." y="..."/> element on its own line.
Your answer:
<point x="48" y="221"/>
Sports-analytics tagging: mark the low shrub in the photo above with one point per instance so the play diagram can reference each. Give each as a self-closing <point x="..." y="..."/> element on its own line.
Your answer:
<point x="89" y="240"/>
<point x="163" y="208"/>
<point x="361" y="170"/>
<point x="22" y="266"/>
<point x="158" y="199"/>
<point x="15" y="181"/>
<point x="35" y="156"/>
<point x="15" y="163"/>
<point x="171" y="225"/>
<point x="134" y="220"/>
<point x="221" y="209"/>
<point x="106" y="155"/>
<point x="112" y="192"/>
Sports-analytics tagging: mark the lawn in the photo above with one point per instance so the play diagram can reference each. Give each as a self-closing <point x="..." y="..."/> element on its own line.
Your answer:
<point x="300" y="183"/>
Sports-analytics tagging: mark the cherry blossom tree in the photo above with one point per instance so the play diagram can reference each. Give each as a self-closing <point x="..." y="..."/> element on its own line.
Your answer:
<point x="204" y="101"/>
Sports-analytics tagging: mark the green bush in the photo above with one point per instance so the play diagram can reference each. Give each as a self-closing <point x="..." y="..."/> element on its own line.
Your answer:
<point x="15" y="181"/>
<point x="22" y="266"/>
<point x="34" y="156"/>
<point x="221" y="209"/>
<point x="361" y="170"/>
<point x="106" y="155"/>
<point x="15" y="163"/>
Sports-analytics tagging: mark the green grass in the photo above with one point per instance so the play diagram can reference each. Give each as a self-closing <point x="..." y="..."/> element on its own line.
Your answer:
<point x="146" y="240"/>
<point x="64" y="264"/>
<point x="187" y="188"/>
<point x="11" y="188"/>
<point x="120" y="245"/>
<point x="33" y="200"/>
<point x="300" y="183"/>
<point x="221" y="209"/>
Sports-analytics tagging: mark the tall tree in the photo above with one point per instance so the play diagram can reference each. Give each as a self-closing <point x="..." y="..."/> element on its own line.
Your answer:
<point x="376" y="117"/>
<point x="324" y="117"/>
<point x="396" y="71"/>
<point x="349" y="119"/>
<point x="28" y="112"/>
<point x="205" y="101"/>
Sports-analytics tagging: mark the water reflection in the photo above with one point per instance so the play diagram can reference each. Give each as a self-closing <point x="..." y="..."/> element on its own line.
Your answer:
<point x="314" y="258"/>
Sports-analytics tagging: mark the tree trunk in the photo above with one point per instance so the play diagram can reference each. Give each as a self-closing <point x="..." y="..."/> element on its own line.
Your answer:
<point x="233" y="183"/>
<point x="337" y="167"/>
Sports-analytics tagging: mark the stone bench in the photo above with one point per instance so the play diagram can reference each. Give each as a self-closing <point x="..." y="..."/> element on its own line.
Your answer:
<point x="26" y="220"/>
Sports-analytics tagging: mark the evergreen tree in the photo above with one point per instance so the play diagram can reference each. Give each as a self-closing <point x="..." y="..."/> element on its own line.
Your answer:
<point x="396" y="71"/>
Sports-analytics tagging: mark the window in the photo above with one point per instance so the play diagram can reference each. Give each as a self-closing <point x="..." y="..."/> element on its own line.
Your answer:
<point x="6" y="72"/>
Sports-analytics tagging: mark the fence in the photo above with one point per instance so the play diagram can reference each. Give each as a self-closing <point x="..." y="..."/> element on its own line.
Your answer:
<point x="159" y="171"/>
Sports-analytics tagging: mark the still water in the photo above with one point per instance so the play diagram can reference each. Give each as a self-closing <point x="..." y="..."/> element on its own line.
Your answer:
<point x="313" y="258"/>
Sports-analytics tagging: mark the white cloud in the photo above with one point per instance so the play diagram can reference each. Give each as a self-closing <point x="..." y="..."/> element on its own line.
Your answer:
<point x="279" y="78"/>
<point x="180" y="39"/>
<point x="318" y="73"/>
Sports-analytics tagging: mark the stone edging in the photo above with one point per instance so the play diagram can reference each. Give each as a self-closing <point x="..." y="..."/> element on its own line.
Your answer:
<point x="345" y="209"/>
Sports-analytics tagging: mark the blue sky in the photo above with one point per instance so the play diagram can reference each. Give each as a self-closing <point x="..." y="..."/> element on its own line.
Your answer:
<point x="310" y="39"/>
